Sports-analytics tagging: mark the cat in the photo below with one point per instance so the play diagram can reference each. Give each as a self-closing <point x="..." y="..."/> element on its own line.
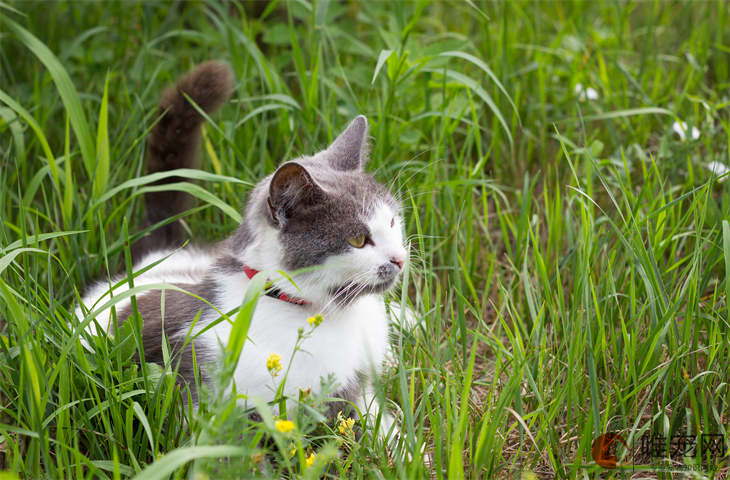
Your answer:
<point x="321" y="213"/>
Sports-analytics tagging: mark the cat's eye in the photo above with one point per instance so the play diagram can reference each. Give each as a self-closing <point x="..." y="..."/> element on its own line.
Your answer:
<point x="358" y="241"/>
<point x="392" y="222"/>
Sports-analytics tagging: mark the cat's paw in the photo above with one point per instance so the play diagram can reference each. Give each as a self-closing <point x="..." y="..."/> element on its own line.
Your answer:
<point x="403" y="316"/>
<point x="396" y="443"/>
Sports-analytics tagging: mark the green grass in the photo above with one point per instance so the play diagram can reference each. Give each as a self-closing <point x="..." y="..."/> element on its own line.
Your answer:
<point x="569" y="256"/>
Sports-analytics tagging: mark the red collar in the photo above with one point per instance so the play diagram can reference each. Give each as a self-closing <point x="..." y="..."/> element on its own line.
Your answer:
<point x="273" y="291"/>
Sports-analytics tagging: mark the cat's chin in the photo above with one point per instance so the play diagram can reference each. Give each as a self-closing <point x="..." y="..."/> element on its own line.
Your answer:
<point x="346" y="294"/>
<point x="382" y="287"/>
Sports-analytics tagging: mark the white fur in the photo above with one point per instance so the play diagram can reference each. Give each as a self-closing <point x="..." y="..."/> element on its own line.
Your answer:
<point x="347" y="341"/>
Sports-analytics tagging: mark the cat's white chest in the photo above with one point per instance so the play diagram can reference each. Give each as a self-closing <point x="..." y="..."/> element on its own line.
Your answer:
<point x="349" y="341"/>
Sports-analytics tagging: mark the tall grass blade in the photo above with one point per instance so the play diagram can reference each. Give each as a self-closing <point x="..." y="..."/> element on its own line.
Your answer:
<point x="65" y="87"/>
<point x="101" y="172"/>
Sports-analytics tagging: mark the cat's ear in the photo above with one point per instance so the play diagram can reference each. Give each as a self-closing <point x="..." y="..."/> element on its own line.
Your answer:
<point x="292" y="187"/>
<point x="349" y="151"/>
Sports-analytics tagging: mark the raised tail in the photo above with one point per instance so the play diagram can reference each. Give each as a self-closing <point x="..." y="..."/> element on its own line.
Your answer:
<point x="174" y="142"/>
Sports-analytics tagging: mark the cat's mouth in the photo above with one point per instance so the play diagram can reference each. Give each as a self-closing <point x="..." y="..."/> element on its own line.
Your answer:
<point x="348" y="292"/>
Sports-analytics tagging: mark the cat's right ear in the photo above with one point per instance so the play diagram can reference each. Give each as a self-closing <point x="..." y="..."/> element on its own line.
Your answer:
<point x="349" y="151"/>
<point x="292" y="187"/>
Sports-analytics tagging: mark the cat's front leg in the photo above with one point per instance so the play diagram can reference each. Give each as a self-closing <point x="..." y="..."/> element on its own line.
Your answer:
<point x="388" y="429"/>
<point x="369" y="406"/>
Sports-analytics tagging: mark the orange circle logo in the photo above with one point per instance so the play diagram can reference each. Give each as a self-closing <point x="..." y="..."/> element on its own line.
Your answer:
<point x="602" y="451"/>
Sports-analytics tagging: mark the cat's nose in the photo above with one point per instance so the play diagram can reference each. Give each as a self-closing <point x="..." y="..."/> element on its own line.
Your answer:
<point x="400" y="261"/>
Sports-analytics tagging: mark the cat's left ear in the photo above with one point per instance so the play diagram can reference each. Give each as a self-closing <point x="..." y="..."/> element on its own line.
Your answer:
<point x="291" y="188"/>
<point x="349" y="151"/>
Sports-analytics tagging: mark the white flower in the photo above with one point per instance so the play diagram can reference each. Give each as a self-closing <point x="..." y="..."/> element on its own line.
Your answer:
<point x="718" y="169"/>
<point x="680" y="128"/>
<point x="585" y="93"/>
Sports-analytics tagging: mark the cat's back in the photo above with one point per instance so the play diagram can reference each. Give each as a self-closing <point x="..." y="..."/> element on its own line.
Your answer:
<point x="179" y="267"/>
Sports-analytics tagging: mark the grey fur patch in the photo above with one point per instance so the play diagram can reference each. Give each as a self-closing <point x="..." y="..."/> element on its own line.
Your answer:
<point x="241" y="237"/>
<point x="311" y="231"/>
<point x="314" y="231"/>
<point x="180" y="310"/>
<point x="349" y="393"/>
<point x="228" y="264"/>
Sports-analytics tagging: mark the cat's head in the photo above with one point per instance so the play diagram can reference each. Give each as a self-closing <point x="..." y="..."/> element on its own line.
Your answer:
<point x="325" y="212"/>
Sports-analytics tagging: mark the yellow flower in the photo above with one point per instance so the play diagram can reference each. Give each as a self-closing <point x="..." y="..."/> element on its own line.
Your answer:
<point x="273" y="364"/>
<point x="315" y="320"/>
<point x="310" y="459"/>
<point x="284" y="426"/>
<point x="344" y="425"/>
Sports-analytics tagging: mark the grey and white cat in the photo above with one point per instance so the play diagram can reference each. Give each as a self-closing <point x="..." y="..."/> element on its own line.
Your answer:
<point x="319" y="211"/>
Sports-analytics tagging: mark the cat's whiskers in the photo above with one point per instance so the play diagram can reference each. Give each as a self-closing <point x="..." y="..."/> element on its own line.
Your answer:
<point x="347" y="290"/>
<point x="343" y="295"/>
<point x="352" y="293"/>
